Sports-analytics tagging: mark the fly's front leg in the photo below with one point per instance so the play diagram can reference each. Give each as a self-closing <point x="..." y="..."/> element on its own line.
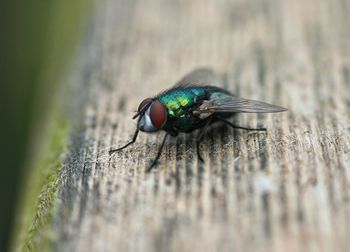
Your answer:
<point x="126" y="145"/>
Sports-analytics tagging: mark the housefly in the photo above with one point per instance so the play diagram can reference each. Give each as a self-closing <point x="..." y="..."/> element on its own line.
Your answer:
<point x="192" y="103"/>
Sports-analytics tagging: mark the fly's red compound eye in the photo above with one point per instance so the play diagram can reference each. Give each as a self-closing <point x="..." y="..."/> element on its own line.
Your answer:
<point x="158" y="114"/>
<point x="144" y="103"/>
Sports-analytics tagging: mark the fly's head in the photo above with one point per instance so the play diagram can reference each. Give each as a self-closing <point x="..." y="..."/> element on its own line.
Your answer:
<point x="152" y="115"/>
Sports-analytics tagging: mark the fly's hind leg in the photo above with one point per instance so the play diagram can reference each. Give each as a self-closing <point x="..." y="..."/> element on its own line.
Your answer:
<point x="200" y="138"/>
<point x="238" y="127"/>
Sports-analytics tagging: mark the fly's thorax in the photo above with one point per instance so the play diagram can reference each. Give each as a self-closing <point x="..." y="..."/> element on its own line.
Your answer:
<point x="179" y="101"/>
<point x="180" y="104"/>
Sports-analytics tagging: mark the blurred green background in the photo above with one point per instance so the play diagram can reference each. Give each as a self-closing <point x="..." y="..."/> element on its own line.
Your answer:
<point x="37" y="41"/>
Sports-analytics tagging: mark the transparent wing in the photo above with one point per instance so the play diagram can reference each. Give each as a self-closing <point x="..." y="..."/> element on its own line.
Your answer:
<point x="221" y="100"/>
<point x="229" y="103"/>
<point x="200" y="76"/>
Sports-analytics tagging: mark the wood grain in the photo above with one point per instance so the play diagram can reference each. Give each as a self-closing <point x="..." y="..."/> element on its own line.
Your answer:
<point x="286" y="190"/>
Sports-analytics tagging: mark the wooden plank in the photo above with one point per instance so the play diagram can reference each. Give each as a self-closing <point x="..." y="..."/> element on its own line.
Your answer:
<point x="286" y="190"/>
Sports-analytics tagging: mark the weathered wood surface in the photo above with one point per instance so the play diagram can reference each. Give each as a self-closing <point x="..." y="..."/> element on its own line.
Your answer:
<point x="286" y="190"/>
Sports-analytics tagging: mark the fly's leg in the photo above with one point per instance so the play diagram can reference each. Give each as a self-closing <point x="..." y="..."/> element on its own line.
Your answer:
<point x="239" y="127"/>
<point x="126" y="145"/>
<point x="200" y="137"/>
<point x="160" y="150"/>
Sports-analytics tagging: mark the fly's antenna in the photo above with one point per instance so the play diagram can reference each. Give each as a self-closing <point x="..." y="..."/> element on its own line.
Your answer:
<point x="142" y="110"/>
<point x="137" y="114"/>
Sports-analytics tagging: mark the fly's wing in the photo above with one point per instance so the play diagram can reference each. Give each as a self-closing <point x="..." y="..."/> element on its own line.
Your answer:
<point x="200" y="76"/>
<point x="223" y="102"/>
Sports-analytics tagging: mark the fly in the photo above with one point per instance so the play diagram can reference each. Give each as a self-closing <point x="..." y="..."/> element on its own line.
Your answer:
<point x="193" y="103"/>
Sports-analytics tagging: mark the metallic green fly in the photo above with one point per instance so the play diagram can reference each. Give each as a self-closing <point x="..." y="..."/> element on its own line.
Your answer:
<point x="193" y="103"/>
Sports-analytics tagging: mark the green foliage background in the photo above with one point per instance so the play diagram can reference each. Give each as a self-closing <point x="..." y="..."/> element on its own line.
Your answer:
<point x="37" y="41"/>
